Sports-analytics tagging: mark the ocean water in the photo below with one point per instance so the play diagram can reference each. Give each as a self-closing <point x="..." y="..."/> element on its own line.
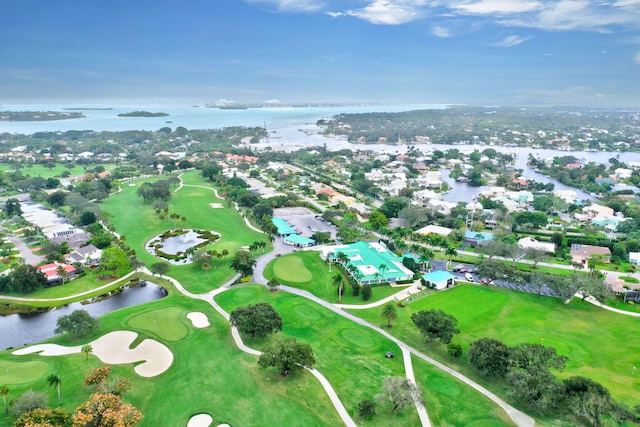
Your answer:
<point x="275" y="119"/>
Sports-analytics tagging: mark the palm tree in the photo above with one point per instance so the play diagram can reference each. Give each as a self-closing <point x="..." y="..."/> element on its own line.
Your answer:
<point x="425" y="257"/>
<point x="338" y="281"/>
<point x="450" y="252"/>
<point x="342" y="258"/>
<point x="55" y="380"/>
<point x="4" y="391"/>
<point x="62" y="273"/>
<point x="377" y="276"/>
<point x="205" y="267"/>
<point x="87" y="349"/>
<point x="389" y="313"/>
<point x="383" y="268"/>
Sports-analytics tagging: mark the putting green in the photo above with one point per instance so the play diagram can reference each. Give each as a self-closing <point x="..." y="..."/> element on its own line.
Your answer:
<point x="21" y="372"/>
<point x="291" y="269"/>
<point x="361" y="338"/>
<point x="166" y="323"/>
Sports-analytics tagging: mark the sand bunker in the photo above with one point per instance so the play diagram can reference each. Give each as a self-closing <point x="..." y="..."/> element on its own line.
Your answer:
<point x="216" y="205"/>
<point x="199" y="320"/>
<point x="132" y="185"/>
<point x="113" y="348"/>
<point x="200" y="420"/>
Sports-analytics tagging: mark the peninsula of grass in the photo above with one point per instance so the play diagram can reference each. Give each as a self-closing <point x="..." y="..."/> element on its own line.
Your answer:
<point x="597" y="342"/>
<point x="138" y="222"/>
<point x="208" y="375"/>
<point x="306" y="270"/>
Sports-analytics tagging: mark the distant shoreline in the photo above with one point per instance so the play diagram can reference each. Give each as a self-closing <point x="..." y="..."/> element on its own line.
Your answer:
<point x="142" y="114"/>
<point x="37" y="116"/>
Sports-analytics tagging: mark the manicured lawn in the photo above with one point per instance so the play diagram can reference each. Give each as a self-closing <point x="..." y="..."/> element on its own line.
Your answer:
<point x="359" y="370"/>
<point x="349" y="355"/>
<point x="209" y="374"/>
<point x="597" y="342"/>
<point x="39" y="170"/>
<point x="305" y="270"/>
<point x="452" y="403"/>
<point x="138" y="222"/>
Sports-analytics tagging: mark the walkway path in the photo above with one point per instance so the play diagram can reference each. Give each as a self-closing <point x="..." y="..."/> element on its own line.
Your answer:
<point x="210" y="298"/>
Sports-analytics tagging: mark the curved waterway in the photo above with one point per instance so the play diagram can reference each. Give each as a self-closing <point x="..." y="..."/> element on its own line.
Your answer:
<point x="19" y="329"/>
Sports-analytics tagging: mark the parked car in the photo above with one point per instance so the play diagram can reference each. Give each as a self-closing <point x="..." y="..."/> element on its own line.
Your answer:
<point x="469" y="277"/>
<point x="458" y="267"/>
<point x="484" y="281"/>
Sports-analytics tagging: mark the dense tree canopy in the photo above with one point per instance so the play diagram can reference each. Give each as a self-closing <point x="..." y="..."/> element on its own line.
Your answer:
<point x="257" y="320"/>
<point x="79" y="324"/>
<point x="287" y="355"/>
<point x="436" y="324"/>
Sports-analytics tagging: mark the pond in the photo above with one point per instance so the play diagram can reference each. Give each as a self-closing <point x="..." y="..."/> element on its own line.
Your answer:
<point x="173" y="246"/>
<point x="20" y="329"/>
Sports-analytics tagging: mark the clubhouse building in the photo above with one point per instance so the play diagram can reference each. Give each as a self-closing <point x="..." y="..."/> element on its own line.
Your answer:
<point x="368" y="262"/>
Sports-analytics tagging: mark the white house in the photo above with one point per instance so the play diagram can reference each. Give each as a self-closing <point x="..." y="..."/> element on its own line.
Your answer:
<point x="86" y="255"/>
<point x="531" y="243"/>
<point x="440" y="206"/>
<point x="569" y="196"/>
<point x="622" y="173"/>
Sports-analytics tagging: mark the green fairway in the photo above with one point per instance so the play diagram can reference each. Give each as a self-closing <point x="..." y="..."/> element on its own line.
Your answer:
<point x="12" y="373"/>
<point x="167" y="324"/>
<point x="208" y="375"/>
<point x="452" y="403"/>
<point x="138" y="222"/>
<point x="306" y="270"/>
<point x="597" y="342"/>
<point x="356" y="371"/>
<point x="34" y="170"/>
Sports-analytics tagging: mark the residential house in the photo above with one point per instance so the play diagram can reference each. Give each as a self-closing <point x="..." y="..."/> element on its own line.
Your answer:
<point x="531" y="243"/>
<point x="569" y="196"/>
<point x="581" y="253"/>
<point x="477" y="238"/>
<point x="86" y="255"/>
<point x="52" y="272"/>
<point x="434" y="229"/>
<point x="440" y="206"/>
<point x="423" y="196"/>
<point x="622" y="173"/>
<point x="634" y="258"/>
<point x="431" y="179"/>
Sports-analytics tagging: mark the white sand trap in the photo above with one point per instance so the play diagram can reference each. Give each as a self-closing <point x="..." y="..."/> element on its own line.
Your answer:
<point x="113" y="348"/>
<point x="200" y="420"/>
<point x="132" y="185"/>
<point x="216" y="205"/>
<point x="224" y="425"/>
<point x="199" y="320"/>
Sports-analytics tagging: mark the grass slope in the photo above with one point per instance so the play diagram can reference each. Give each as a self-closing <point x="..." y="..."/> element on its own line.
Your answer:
<point x="209" y="374"/>
<point x="597" y="342"/>
<point x="138" y="222"/>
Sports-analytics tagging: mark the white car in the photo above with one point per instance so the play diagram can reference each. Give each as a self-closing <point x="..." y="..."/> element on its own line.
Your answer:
<point x="469" y="277"/>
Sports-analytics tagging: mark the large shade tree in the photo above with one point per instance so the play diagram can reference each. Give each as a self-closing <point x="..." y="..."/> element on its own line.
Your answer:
<point x="257" y="320"/>
<point x="436" y="324"/>
<point x="287" y="355"/>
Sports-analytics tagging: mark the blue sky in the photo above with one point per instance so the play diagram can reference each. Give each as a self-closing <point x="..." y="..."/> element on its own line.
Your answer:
<point x="390" y="51"/>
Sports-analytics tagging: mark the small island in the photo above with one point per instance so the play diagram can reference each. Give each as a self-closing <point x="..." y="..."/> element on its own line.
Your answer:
<point x="142" y="114"/>
<point x="37" y="116"/>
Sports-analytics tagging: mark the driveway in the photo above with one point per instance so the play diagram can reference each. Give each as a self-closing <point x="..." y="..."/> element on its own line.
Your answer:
<point x="25" y="252"/>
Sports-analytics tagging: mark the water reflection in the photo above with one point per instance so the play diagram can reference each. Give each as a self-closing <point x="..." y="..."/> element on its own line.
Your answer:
<point x="18" y="330"/>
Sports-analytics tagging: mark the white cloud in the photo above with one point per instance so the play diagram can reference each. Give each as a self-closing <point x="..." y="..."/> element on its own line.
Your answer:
<point x="389" y="12"/>
<point x="511" y="41"/>
<point x="497" y="7"/>
<point x="292" y="5"/>
<point x="636" y="57"/>
<point x="440" y="31"/>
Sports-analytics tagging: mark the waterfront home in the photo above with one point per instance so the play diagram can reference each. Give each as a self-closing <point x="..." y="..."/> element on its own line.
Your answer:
<point x="569" y="196"/>
<point x="423" y="196"/>
<point x="440" y="206"/>
<point x="622" y="173"/>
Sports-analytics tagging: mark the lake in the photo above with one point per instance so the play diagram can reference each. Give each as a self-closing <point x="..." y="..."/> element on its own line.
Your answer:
<point x="18" y="330"/>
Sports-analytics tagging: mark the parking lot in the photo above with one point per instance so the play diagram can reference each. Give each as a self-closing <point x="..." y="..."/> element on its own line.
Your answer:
<point x="304" y="221"/>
